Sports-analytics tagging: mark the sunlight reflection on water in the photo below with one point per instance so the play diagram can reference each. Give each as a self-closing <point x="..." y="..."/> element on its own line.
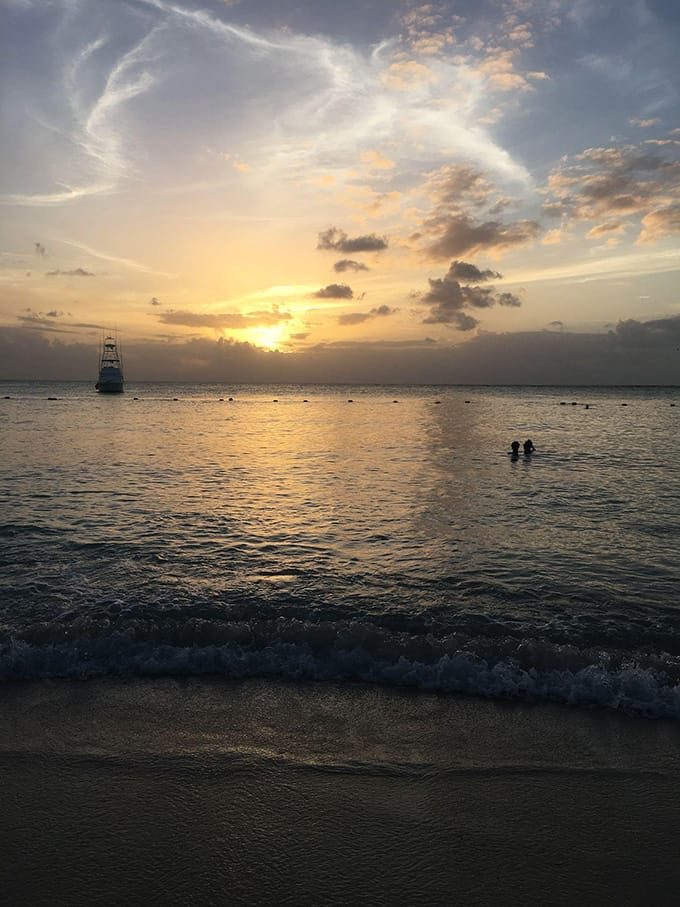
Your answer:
<point x="324" y="507"/>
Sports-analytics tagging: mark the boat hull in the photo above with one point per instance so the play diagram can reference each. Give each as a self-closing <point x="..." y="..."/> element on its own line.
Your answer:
<point x="110" y="380"/>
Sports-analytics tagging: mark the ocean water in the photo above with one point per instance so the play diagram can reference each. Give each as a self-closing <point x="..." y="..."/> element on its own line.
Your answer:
<point x="373" y="534"/>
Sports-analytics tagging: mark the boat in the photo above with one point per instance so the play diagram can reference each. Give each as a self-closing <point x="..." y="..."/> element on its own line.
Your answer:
<point x="110" y="367"/>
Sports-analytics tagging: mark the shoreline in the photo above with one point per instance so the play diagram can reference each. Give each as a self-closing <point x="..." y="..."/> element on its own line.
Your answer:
<point x="210" y="791"/>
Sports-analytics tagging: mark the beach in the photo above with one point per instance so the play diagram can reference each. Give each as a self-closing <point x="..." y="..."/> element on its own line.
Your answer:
<point x="209" y="791"/>
<point x="282" y="649"/>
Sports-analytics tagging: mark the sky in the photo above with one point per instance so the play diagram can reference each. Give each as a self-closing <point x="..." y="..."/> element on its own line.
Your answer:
<point x="475" y="191"/>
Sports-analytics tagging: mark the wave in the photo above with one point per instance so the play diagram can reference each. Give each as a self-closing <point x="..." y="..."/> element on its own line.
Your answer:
<point x="553" y="674"/>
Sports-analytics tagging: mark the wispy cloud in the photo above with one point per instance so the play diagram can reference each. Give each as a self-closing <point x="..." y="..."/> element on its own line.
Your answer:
<point x="74" y="272"/>
<point x="225" y="320"/>
<point x="116" y="259"/>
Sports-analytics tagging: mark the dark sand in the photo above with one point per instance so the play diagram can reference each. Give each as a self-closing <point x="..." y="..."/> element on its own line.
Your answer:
<point x="212" y="792"/>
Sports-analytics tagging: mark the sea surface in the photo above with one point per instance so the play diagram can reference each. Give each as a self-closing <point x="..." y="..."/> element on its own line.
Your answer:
<point x="321" y="533"/>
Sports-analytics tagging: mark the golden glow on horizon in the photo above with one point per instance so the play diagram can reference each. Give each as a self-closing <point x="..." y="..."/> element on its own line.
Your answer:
<point x="269" y="338"/>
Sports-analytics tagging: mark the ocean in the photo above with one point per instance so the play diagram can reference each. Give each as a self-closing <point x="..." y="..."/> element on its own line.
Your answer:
<point x="332" y="645"/>
<point x="374" y="534"/>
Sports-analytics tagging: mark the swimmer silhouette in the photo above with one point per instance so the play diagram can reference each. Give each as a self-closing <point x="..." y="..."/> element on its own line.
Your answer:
<point x="528" y="447"/>
<point x="515" y="450"/>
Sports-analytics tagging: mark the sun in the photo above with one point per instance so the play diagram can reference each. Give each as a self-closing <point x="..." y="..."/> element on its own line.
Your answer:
<point x="269" y="338"/>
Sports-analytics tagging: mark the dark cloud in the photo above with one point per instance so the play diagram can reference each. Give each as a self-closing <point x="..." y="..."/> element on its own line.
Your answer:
<point x="659" y="332"/>
<point x="463" y="270"/>
<point x="458" y="235"/>
<point x="346" y="264"/>
<point x="354" y="318"/>
<point x="632" y="353"/>
<point x="336" y="240"/>
<point x="381" y="311"/>
<point x="76" y="272"/>
<point x="334" y="291"/>
<point x="448" y="299"/>
<point x="508" y="299"/>
<point x="457" y="184"/>
<point x="224" y="320"/>
<point x="47" y="322"/>
<point x="461" y="321"/>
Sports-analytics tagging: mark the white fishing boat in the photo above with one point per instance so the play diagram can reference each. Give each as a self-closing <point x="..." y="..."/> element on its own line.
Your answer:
<point x="110" y="367"/>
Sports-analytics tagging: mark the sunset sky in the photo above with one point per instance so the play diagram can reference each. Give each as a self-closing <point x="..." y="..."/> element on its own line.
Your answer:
<point x="375" y="190"/>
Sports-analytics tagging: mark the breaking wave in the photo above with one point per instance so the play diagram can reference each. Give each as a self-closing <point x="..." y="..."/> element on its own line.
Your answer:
<point x="528" y="670"/>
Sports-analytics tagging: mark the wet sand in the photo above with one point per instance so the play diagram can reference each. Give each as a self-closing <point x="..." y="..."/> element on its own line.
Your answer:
<point x="213" y="792"/>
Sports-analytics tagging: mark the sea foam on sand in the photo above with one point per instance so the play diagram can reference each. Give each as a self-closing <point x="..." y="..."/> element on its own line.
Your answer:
<point x="209" y="791"/>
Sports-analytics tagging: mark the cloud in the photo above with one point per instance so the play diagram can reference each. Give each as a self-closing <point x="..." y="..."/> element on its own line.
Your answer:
<point x="642" y="123"/>
<point x="458" y="184"/>
<point x="376" y="160"/>
<point x="462" y="270"/>
<point x="76" y="272"/>
<point x="631" y="353"/>
<point x="659" y="332"/>
<point x="334" y="291"/>
<point x="448" y="299"/>
<point x="116" y="259"/>
<point x="553" y="237"/>
<point x="381" y="311"/>
<point x="347" y="264"/>
<point x="660" y="223"/>
<point x="48" y="322"/>
<point x="458" y="234"/>
<point x="608" y="229"/>
<point x="618" y="186"/>
<point x="336" y="240"/>
<point x="224" y="320"/>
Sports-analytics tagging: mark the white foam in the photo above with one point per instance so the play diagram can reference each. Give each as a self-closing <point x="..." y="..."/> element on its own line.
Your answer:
<point x="630" y="688"/>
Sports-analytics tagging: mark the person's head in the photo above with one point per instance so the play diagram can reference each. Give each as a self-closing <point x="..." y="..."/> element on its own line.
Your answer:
<point x="515" y="446"/>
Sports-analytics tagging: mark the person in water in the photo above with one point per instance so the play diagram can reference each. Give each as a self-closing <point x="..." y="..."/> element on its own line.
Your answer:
<point x="528" y="447"/>
<point x="515" y="449"/>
